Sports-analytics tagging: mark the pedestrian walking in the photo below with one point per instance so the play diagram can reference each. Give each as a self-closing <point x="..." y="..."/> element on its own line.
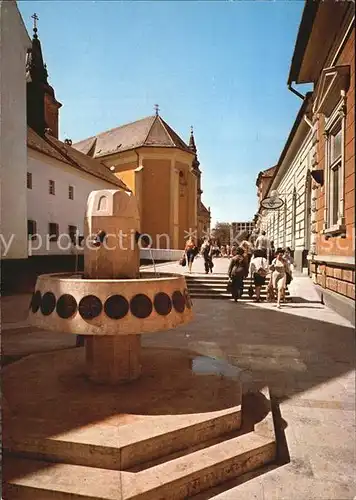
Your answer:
<point x="206" y="251"/>
<point x="271" y="252"/>
<point x="248" y="251"/>
<point x="263" y="243"/>
<point x="191" y="251"/>
<point x="237" y="272"/>
<point x="258" y="271"/>
<point x="279" y="270"/>
<point x="253" y="237"/>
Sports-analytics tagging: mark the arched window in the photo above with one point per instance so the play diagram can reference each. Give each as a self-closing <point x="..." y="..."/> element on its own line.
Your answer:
<point x="102" y="205"/>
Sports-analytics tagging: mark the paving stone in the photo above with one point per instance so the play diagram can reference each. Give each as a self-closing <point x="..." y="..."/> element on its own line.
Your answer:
<point x="305" y="353"/>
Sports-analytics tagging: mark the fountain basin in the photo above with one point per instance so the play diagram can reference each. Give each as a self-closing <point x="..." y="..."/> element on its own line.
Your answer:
<point x="72" y="304"/>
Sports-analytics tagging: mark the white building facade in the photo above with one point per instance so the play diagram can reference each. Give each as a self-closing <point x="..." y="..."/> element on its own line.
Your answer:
<point x="291" y="224"/>
<point x="56" y="201"/>
<point x="14" y="44"/>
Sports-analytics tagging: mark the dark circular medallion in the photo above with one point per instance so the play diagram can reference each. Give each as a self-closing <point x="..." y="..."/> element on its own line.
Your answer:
<point x="48" y="303"/>
<point x="116" y="307"/>
<point x="178" y="301"/>
<point x="141" y="306"/>
<point x="90" y="307"/>
<point x="35" y="301"/>
<point x="188" y="300"/>
<point x="163" y="304"/>
<point x="66" y="306"/>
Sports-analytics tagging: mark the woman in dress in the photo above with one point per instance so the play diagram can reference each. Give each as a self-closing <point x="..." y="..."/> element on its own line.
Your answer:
<point x="237" y="272"/>
<point x="247" y="249"/>
<point x="258" y="271"/>
<point x="279" y="270"/>
<point x="191" y="251"/>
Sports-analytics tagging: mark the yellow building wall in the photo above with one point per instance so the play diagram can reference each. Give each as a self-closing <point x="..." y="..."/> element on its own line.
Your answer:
<point x="166" y="206"/>
<point x="128" y="177"/>
<point x="187" y="202"/>
<point x="192" y="203"/>
<point x="156" y="200"/>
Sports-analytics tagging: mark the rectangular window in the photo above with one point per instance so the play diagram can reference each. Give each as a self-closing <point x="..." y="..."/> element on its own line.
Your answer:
<point x="31" y="230"/>
<point x="335" y="194"/>
<point x="29" y="180"/>
<point x="71" y="192"/>
<point x="334" y="174"/>
<point x="52" y="187"/>
<point x="72" y="231"/>
<point x="53" y="231"/>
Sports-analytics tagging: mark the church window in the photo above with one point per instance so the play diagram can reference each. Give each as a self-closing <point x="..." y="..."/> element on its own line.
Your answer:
<point x="53" y="231"/>
<point x="71" y="192"/>
<point x="29" y="180"/>
<point x="52" y="187"/>
<point x="31" y="230"/>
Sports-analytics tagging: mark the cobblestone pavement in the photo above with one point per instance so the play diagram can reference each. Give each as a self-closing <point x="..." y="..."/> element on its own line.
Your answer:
<point x="304" y="352"/>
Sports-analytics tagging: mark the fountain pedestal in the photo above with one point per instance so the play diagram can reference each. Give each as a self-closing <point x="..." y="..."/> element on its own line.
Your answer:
<point x="112" y="304"/>
<point x="113" y="359"/>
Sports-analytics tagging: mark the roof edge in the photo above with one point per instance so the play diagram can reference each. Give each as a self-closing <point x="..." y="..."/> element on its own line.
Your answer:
<point x="305" y="28"/>
<point x="290" y="138"/>
<point x="165" y="128"/>
<point x="133" y="148"/>
<point x="73" y="162"/>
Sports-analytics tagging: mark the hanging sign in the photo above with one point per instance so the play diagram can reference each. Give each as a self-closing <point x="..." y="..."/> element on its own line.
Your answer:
<point x="272" y="203"/>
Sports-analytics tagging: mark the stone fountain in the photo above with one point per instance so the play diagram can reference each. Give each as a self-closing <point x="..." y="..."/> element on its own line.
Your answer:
<point x="111" y="304"/>
<point x="74" y="428"/>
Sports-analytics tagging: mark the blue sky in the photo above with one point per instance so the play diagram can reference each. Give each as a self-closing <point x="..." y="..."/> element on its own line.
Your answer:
<point x="219" y="66"/>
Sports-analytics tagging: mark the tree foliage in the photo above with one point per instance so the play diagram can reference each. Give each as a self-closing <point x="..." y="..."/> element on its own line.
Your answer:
<point x="221" y="232"/>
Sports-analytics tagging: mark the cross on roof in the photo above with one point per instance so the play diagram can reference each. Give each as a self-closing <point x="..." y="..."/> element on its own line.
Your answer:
<point x="156" y="109"/>
<point x="35" y="19"/>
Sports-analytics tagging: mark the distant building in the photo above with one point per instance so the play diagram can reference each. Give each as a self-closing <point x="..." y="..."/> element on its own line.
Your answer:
<point x="204" y="221"/>
<point x="263" y="182"/>
<point x="241" y="230"/>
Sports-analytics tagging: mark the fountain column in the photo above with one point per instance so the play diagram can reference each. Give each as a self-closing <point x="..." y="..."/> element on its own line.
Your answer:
<point x="111" y="252"/>
<point x="112" y="359"/>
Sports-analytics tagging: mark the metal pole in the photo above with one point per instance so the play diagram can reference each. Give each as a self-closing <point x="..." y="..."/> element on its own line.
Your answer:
<point x="154" y="264"/>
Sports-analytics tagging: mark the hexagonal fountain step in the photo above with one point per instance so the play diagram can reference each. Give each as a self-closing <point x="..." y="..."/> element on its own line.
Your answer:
<point x="175" y="477"/>
<point x="120" y="447"/>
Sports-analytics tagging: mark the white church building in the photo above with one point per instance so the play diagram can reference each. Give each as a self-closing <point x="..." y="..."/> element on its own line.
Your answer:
<point x="44" y="181"/>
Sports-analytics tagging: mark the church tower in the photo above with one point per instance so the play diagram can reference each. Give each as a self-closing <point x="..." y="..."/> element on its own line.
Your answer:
<point x="203" y="214"/>
<point x="195" y="165"/>
<point x="42" y="106"/>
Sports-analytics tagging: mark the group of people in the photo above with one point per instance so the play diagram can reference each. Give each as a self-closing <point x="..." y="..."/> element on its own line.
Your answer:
<point x="256" y="260"/>
<point x="256" y="266"/>
<point x="207" y="251"/>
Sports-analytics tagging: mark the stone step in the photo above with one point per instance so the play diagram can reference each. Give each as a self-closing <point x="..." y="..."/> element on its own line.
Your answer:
<point x="175" y="479"/>
<point x="218" y="286"/>
<point x="225" y="296"/>
<point x="223" y="288"/>
<point x="133" y="444"/>
<point x="208" y="282"/>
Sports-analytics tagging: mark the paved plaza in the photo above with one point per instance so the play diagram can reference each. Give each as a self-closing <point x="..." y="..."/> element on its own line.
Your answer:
<point x="303" y="352"/>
